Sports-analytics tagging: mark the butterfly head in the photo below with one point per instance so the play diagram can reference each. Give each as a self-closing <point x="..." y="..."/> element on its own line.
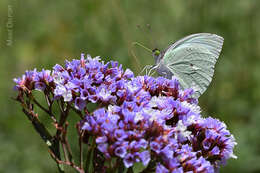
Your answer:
<point x="156" y="52"/>
<point x="156" y="55"/>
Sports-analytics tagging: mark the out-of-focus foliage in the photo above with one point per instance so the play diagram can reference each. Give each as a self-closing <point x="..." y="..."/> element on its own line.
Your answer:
<point x="48" y="32"/>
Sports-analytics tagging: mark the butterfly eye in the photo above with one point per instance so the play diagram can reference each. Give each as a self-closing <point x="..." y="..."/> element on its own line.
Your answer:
<point x="157" y="52"/>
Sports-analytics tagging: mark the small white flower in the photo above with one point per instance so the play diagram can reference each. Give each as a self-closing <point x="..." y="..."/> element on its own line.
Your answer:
<point x="153" y="117"/>
<point x="182" y="129"/>
<point x="191" y="120"/>
<point x="138" y="117"/>
<point x="232" y="155"/>
<point x="132" y="88"/>
<point x="110" y="108"/>
<point x="152" y="113"/>
<point x="193" y="107"/>
<point x="180" y="126"/>
<point x="153" y="101"/>
<point x="104" y="94"/>
<point x="60" y="90"/>
<point x="156" y="100"/>
<point x="67" y="96"/>
<point x="97" y="58"/>
<point x="166" y="111"/>
<point x="58" y="79"/>
<point x="71" y="85"/>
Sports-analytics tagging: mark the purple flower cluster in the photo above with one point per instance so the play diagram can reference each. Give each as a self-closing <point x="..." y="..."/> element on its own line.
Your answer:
<point x="79" y="82"/>
<point x="33" y="80"/>
<point x="88" y="80"/>
<point x="157" y="121"/>
<point x="139" y="119"/>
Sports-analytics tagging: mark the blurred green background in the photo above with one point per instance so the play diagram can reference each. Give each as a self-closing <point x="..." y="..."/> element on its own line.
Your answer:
<point x="44" y="33"/>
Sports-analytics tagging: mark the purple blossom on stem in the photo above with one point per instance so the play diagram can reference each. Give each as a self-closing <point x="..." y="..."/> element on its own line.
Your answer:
<point x="137" y="119"/>
<point x="121" y="151"/>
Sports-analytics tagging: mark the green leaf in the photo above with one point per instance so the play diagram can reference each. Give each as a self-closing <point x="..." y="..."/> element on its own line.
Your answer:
<point x="138" y="167"/>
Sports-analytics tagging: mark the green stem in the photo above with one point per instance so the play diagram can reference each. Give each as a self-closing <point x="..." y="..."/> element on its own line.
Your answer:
<point x="90" y="154"/>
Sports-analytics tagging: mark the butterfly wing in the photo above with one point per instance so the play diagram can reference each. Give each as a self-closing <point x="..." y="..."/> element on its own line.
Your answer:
<point x="192" y="60"/>
<point x="212" y="42"/>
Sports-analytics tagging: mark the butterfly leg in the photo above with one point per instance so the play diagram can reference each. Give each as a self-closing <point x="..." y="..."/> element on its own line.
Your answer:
<point x="146" y="69"/>
<point x="152" y="73"/>
<point x="151" y="70"/>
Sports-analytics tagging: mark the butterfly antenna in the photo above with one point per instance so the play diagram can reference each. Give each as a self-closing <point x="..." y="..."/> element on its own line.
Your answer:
<point x="139" y="44"/>
<point x="149" y="33"/>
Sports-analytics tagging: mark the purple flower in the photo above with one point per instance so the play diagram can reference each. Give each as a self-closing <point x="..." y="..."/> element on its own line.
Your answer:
<point x="105" y="95"/>
<point x="168" y="151"/>
<point x="58" y="68"/>
<point x="120" y="134"/>
<point x="145" y="157"/>
<point x="128" y="160"/>
<point x="40" y="86"/>
<point x="161" y="169"/>
<point x="121" y="151"/>
<point x="100" y="115"/>
<point x="215" y="151"/>
<point x="186" y="94"/>
<point x="84" y="94"/>
<point x="26" y="81"/>
<point x="98" y="78"/>
<point x="60" y="90"/>
<point x="86" y="126"/>
<point x="80" y="103"/>
<point x="101" y="139"/>
<point x="200" y="165"/>
<point x="103" y="147"/>
<point x="128" y="74"/>
<point x="142" y="143"/>
<point x="44" y="76"/>
<point x="155" y="147"/>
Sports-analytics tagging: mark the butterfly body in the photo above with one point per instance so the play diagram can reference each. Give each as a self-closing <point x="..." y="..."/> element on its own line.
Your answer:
<point x="192" y="60"/>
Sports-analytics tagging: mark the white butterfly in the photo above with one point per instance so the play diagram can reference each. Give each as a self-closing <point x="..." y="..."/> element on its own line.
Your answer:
<point x="192" y="60"/>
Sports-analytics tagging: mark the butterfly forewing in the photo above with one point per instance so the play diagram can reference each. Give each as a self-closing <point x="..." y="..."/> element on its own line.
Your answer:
<point x="212" y="42"/>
